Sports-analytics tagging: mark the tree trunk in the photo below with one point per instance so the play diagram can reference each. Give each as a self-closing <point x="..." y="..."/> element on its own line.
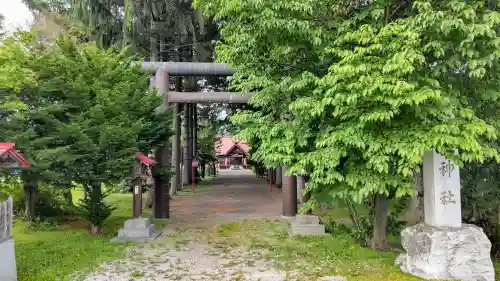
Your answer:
<point x="30" y="190"/>
<point x="95" y="229"/>
<point x="186" y="171"/>
<point x="203" y="170"/>
<point x="153" y="42"/>
<point x="176" y="142"/>
<point x="195" y="130"/>
<point x="150" y="194"/>
<point x="85" y="193"/>
<point x="380" y="217"/>
<point x="353" y="214"/>
<point x="306" y="198"/>
<point x="95" y="194"/>
<point x="415" y="210"/>
<point x="68" y="195"/>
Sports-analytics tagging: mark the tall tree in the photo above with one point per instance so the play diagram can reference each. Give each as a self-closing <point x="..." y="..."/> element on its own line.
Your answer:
<point x="83" y="112"/>
<point x="371" y="85"/>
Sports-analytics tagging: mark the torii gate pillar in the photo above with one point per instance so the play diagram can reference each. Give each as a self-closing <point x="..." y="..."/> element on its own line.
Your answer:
<point x="161" y="202"/>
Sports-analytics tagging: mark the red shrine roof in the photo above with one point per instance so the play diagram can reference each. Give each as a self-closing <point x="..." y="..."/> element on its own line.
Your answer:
<point x="144" y="159"/>
<point x="227" y="144"/>
<point x="10" y="157"/>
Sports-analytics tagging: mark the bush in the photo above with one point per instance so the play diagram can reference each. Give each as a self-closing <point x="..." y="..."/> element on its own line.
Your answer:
<point x="50" y="203"/>
<point x="361" y="227"/>
<point x="14" y="190"/>
<point x="94" y="209"/>
<point x="481" y="200"/>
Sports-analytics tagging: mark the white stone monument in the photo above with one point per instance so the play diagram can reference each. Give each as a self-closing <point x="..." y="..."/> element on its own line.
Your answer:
<point x="443" y="248"/>
<point x="7" y="252"/>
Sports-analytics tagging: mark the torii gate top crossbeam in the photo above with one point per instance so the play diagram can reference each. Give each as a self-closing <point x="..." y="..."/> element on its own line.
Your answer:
<point x="190" y="68"/>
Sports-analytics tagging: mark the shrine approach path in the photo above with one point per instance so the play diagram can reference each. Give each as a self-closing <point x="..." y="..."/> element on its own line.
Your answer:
<point x="230" y="196"/>
<point x="184" y="252"/>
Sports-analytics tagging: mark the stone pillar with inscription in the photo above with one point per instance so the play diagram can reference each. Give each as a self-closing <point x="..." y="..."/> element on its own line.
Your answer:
<point x="443" y="248"/>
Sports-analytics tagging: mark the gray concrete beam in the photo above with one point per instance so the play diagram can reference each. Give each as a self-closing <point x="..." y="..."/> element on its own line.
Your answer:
<point x="208" y="97"/>
<point x="190" y="68"/>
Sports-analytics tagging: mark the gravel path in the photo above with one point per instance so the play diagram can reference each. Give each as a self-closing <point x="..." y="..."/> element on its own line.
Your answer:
<point x="231" y="196"/>
<point x="189" y="262"/>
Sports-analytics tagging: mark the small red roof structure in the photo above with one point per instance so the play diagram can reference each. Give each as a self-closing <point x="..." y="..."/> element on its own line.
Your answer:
<point x="10" y="157"/>
<point x="226" y="144"/>
<point x="144" y="159"/>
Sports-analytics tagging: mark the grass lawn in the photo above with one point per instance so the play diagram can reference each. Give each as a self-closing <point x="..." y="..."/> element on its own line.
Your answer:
<point x="340" y="213"/>
<point x="52" y="254"/>
<point x="318" y="256"/>
<point x="48" y="255"/>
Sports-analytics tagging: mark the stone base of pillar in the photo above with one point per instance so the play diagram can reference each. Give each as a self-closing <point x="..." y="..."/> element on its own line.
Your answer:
<point x="307" y="225"/>
<point x="8" y="260"/>
<point x="446" y="253"/>
<point x="139" y="229"/>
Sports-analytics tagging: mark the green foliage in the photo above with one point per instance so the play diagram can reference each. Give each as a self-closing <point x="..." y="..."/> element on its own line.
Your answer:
<point x="481" y="200"/>
<point x="313" y="257"/>
<point x="94" y="208"/>
<point x="206" y="138"/>
<point x="57" y="250"/>
<point x="14" y="189"/>
<point x="356" y="94"/>
<point x="86" y="111"/>
<point x="50" y="202"/>
<point x="355" y="221"/>
<point x="259" y="168"/>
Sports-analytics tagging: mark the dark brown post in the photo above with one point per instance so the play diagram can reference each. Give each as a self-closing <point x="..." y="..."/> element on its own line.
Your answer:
<point x="195" y="129"/>
<point x="137" y="190"/>
<point x="162" y="156"/>
<point x="278" y="176"/>
<point x="161" y="203"/>
<point x="186" y="172"/>
<point x="195" y="137"/>
<point x="190" y="143"/>
<point x="272" y="177"/>
<point x="289" y="195"/>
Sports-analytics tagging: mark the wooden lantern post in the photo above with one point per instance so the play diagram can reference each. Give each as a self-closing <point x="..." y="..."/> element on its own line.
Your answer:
<point x="137" y="189"/>
<point x="137" y="176"/>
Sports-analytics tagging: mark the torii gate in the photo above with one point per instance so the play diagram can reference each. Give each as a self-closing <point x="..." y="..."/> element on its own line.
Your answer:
<point x="160" y="80"/>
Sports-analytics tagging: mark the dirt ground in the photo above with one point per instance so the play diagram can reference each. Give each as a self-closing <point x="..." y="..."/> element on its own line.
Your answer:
<point x="231" y="195"/>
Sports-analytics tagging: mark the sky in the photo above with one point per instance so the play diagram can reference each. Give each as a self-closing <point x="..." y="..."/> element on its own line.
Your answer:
<point x="15" y="12"/>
